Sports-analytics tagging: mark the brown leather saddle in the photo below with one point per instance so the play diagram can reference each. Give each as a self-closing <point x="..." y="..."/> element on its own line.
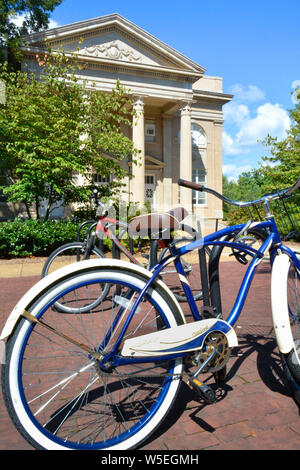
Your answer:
<point x="155" y="224"/>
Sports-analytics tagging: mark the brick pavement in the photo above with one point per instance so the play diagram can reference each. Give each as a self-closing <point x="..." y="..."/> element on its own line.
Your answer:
<point x="255" y="410"/>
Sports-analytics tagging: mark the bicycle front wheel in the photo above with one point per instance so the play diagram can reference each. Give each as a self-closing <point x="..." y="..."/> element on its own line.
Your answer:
<point x="285" y="295"/>
<point x="57" y="393"/>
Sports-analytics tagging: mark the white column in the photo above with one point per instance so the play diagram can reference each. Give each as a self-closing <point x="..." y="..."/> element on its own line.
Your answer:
<point x="185" y="154"/>
<point x="167" y="155"/>
<point x="138" y="137"/>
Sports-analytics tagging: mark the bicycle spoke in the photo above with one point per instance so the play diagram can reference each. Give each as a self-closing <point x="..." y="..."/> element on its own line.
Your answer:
<point x="65" y="383"/>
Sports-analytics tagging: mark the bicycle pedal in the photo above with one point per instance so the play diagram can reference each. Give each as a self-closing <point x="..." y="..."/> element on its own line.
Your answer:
<point x="205" y="391"/>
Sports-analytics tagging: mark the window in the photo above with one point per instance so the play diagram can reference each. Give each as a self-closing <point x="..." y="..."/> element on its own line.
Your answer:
<point x="99" y="179"/>
<point x="198" y="136"/>
<point x="149" y="179"/>
<point x="150" y="189"/>
<point x="199" y="158"/>
<point x="149" y="132"/>
<point x="199" y="177"/>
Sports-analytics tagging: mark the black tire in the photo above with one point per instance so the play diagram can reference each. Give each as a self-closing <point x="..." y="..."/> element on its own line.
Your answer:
<point x="70" y="257"/>
<point x="71" y="253"/>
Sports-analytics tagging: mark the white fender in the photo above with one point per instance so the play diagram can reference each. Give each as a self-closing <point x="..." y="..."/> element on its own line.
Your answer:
<point x="280" y="312"/>
<point x="74" y="268"/>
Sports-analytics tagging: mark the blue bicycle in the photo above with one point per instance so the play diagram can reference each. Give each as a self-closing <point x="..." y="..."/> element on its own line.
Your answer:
<point x="106" y="377"/>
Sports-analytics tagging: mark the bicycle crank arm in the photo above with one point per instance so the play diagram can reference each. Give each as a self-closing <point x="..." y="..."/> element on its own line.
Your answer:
<point x="179" y="339"/>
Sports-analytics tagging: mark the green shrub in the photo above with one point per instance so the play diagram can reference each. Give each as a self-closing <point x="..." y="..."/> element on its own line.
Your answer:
<point x="21" y="238"/>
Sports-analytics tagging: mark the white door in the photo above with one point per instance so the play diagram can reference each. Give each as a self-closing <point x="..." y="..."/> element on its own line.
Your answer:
<point x="150" y="185"/>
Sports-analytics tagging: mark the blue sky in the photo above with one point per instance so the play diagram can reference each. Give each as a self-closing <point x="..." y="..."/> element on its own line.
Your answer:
<point x="254" y="45"/>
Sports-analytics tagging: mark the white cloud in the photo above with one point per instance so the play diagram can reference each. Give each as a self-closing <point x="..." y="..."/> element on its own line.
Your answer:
<point x="19" y="18"/>
<point x="235" y="112"/>
<point x="233" y="171"/>
<point x="52" y="24"/>
<point x="248" y="119"/>
<point x="269" y="119"/>
<point x="230" y="145"/>
<point x="251" y="93"/>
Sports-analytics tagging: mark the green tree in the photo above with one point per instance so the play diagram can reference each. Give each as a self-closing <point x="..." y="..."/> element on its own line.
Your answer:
<point x="282" y="167"/>
<point x="36" y="18"/>
<point x="249" y="186"/>
<point x="54" y="128"/>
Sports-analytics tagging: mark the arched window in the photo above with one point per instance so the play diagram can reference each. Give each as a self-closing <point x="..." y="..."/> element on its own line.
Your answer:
<point x="198" y="136"/>
<point x="199" y="143"/>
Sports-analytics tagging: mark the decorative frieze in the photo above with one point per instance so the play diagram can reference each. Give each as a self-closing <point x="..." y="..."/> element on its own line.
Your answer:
<point x="112" y="50"/>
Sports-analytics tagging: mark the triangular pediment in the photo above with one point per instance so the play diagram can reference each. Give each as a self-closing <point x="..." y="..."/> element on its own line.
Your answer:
<point x="153" y="162"/>
<point x="114" y="46"/>
<point x="114" y="38"/>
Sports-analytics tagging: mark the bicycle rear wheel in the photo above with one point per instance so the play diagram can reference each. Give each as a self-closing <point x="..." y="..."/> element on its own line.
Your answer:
<point x="286" y="316"/>
<point x="68" y="254"/>
<point x="58" y="394"/>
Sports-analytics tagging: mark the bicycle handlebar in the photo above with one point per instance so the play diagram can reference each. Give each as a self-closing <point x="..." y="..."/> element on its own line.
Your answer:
<point x="98" y="203"/>
<point x="268" y="197"/>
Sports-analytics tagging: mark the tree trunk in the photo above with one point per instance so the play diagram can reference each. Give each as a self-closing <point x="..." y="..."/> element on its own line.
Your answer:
<point x="37" y="208"/>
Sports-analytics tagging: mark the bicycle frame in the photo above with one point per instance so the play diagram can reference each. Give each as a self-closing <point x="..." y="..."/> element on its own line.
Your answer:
<point x="272" y="243"/>
<point x="103" y="226"/>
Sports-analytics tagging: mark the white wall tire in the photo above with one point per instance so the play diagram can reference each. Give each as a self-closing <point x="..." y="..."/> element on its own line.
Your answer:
<point x="285" y="299"/>
<point x="11" y="381"/>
